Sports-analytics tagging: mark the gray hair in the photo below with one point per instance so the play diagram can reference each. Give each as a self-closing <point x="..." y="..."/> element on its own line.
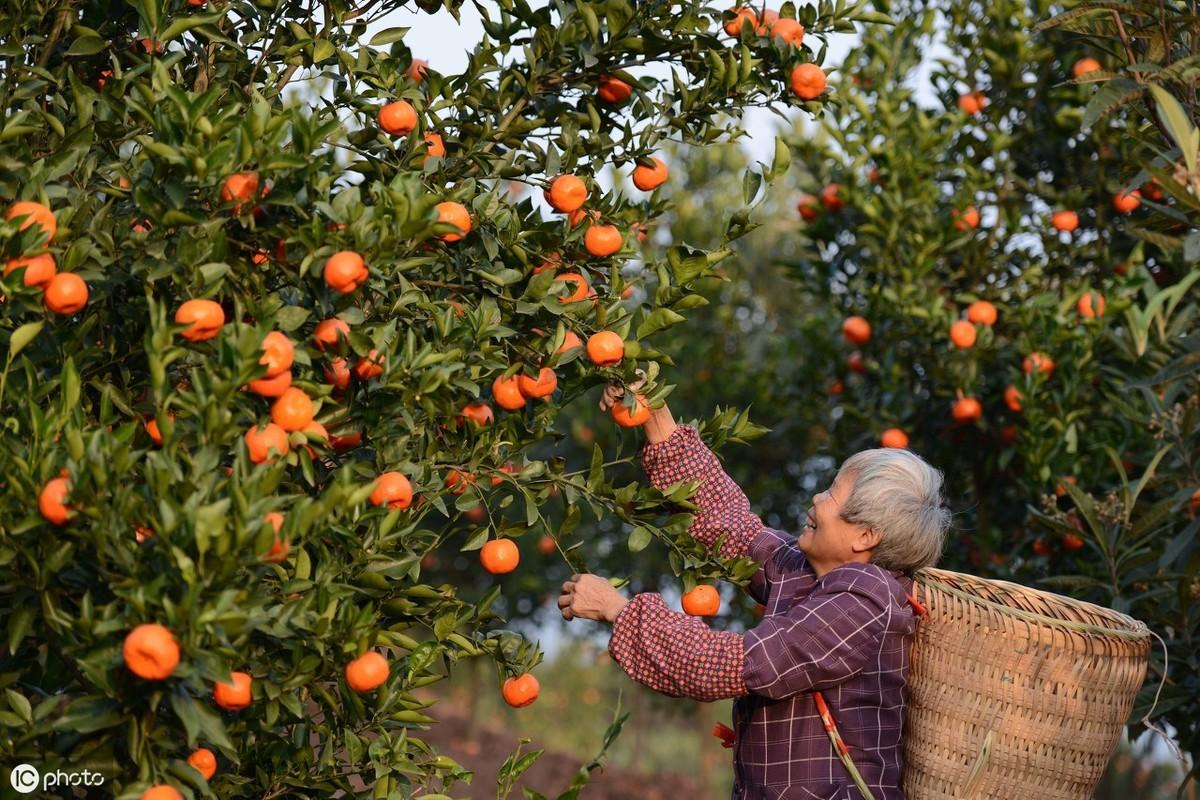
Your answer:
<point x="900" y="495"/>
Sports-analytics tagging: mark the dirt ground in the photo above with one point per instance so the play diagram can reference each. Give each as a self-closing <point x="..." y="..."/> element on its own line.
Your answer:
<point x="482" y="749"/>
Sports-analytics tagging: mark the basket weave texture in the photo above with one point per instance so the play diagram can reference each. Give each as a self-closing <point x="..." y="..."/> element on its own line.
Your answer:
<point x="1015" y="693"/>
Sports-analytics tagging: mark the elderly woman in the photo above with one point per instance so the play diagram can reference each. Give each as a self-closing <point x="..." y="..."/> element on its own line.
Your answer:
<point x="837" y="618"/>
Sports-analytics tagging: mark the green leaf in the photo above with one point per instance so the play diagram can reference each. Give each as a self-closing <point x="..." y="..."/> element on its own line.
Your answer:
<point x="23" y="336"/>
<point x="199" y="721"/>
<point x="388" y="36"/>
<point x="639" y="537"/>
<point x="87" y="46"/>
<point x="289" y="318"/>
<point x="20" y="704"/>
<point x="657" y="320"/>
<point x="1178" y="125"/>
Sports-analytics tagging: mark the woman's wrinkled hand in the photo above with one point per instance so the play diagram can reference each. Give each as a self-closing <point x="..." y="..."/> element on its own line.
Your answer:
<point x="590" y="597"/>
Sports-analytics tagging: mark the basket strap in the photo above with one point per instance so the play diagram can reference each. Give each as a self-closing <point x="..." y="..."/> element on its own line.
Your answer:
<point x="839" y="746"/>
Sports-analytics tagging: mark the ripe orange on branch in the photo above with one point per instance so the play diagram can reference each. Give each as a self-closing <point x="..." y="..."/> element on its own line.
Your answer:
<point x="603" y="240"/>
<point x="650" y="178"/>
<point x="151" y="652"/>
<point x="398" y="118"/>
<point x="856" y="330"/>
<point x="240" y="188"/>
<point x="65" y="294"/>
<point x="34" y="213"/>
<point x="1012" y="398"/>
<point x="520" y="691"/>
<point x="367" y="672"/>
<point x="966" y="219"/>
<point x="161" y="792"/>
<point x="457" y="215"/>
<point x="293" y="410"/>
<point x="582" y="290"/>
<point x="39" y="269"/>
<point x="606" y="348"/>
<point x="741" y="17"/>
<point x="369" y="366"/>
<point x="981" y="312"/>
<point x="507" y="393"/>
<point x="500" y="556"/>
<point x="1127" y="202"/>
<point x="613" y="90"/>
<point x="478" y="413"/>
<point x="972" y="102"/>
<point x="1085" y="65"/>
<point x="204" y="318"/>
<point x="789" y="30"/>
<point x="966" y="409"/>
<point x="1038" y="361"/>
<point x="236" y="694"/>
<point x="280" y="546"/>
<point x="567" y="193"/>
<point x="262" y="442"/>
<point x="278" y="353"/>
<point x="329" y="331"/>
<point x="809" y="207"/>
<point x="52" y="501"/>
<point x="831" y="197"/>
<point x="894" y="437"/>
<point x="271" y="387"/>
<point x="1090" y="305"/>
<point x="203" y="761"/>
<point x="345" y="271"/>
<point x="703" y="601"/>
<point x="457" y="481"/>
<point x="1065" y="221"/>
<point x="631" y="419"/>
<point x="962" y="334"/>
<point x="393" y="490"/>
<point x="541" y="386"/>
<point x="808" y="81"/>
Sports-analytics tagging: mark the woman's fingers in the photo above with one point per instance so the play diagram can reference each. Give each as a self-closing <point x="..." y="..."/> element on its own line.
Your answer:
<point x="564" y="602"/>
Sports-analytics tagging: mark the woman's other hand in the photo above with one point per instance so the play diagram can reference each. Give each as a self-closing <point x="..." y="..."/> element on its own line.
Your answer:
<point x="590" y="597"/>
<point x="661" y="424"/>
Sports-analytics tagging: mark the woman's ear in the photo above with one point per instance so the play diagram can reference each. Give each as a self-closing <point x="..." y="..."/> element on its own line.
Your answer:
<point x="867" y="539"/>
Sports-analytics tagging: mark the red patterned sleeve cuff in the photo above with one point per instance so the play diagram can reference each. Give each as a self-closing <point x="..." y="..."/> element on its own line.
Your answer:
<point x="682" y="456"/>
<point x="676" y="654"/>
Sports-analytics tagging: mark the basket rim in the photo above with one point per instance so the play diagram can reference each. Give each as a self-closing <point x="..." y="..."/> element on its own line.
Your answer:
<point x="928" y="577"/>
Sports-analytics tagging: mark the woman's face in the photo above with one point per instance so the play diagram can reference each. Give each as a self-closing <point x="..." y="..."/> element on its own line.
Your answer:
<point x="827" y="539"/>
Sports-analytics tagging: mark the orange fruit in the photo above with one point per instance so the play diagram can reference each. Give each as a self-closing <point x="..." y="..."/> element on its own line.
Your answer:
<point x="808" y="206"/>
<point x="345" y="271"/>
<point x="1040" y="547"/>
<point x="478" y="413"/>
<point x="768" y="18"/>
<point x="507" y="393"/>
<point x="1071" y="542"/>
<point x="398" y="118"/>
<point x="966" y="219"/>
<point x="837" y="387"/>
<point x="981" y="312"/>
<point x="1060" y="490"/>
<point x="39" y="269"/>
<point x="703" y="601"/>
<point x="392" y="489"/>
<point x="613" y="90"/>
<point x="507" y="469"/>
<point x="894" y="437"/>
<point x="271" y="387"/>
<point x="1090" y="305"/>
<point x="261" y="441"/>
<point x="202" y="759"/>
<point x="856" y="330"/>
<point x="337" y="374"/>
<point x="972" y="102"/>
<point x="1039" y="361"/>
<point x="500" y="556"/>
<point x="808" y="81"/>
<point x="789" y="30"/>
<point x="1153" y="191"/>
<point x="741" y="16"/>
<point x="571" y="340"/>
<point x="417" y="69"/>
<point x="631" y="419"/>
<point x="541" y="386"/>
<point x="1085" y="65"/>
<point x="602" y="240"/>
<point x="434" y="147"/>
<point x="279" y="547"/>
<point x="370" y="366"/>
<point x="650" y="178"/>
<point x="151" y="652"/>
<point x="161" y="792"/>
<point x="962" y="333"/>
<point x="1065" y="221"/>
<point x="1126" y="202"/>
<point x="66" y="293"/>
<point x="1012" y="398"/>
<point x="293" y="410"/>
<point x="457" y="481"/>
<point x="582" y="290"/>
<point x="151" y="426"/>
<point x="520" y="691"/>
<point x="1193" y="501"/>
<point x="457" y="215"/>
<point x="546" y="545"/>
<point x="35" y="214"/>
<point x="142" y="533"/>
<point x="204" y="318"/>
<point x="329" y="331"/>
<point x="1009" y="434"/>
<point x="278" y="353"/>
<point x="52" y="502"/>
<point x="368" y="671"/>
<point x="235" y="695"/>
<point x="966" y="409"/>
<point x="346" y="442"/>
<point x="240" y="187"/>
<point x="830" y="197"/>
<point x="606" y="348"/>
<point x="567" y="193"/>
<point x="580" y="214"/>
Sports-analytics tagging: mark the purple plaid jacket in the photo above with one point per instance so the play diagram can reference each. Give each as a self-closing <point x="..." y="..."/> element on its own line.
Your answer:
<point x="846" y="634"/>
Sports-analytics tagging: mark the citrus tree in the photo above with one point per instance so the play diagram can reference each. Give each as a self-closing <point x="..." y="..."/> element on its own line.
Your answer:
<point x="265" y="353"/>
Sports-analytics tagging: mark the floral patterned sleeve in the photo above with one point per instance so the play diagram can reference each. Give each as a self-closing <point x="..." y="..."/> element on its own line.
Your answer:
<point x="722" y="507"/>
<point x="676" y="654"/>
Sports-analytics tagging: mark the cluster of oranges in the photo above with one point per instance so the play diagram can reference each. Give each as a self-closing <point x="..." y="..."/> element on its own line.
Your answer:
<point x="806" y="80"/>
<point x="62" y="292"/>
<point x="151" y="652"/>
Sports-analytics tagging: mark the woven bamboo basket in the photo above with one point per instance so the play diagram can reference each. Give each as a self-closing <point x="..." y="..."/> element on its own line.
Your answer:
<point x="1015" y="692"/>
